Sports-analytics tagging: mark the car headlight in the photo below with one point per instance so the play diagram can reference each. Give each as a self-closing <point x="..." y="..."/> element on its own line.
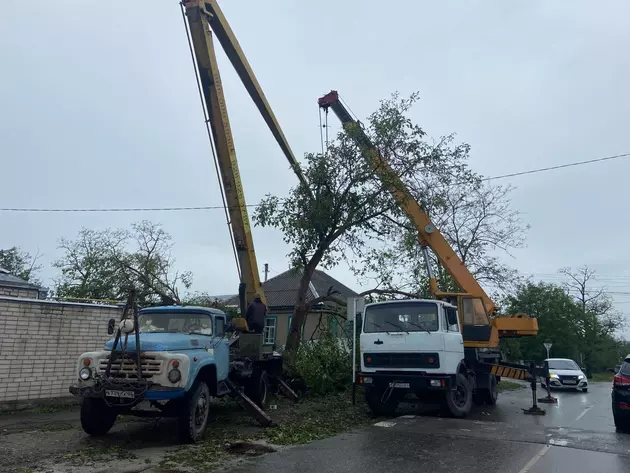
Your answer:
<point x="581" y="376"/>
<point x="85" y="374"/>
<point x="553" y="375"/>
<point x="174" y="375"/>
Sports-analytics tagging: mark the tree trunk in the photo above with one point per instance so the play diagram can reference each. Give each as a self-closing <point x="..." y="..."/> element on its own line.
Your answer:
<point x="300" y="312"/>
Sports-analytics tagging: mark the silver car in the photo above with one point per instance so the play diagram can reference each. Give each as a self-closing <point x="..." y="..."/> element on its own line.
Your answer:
<point x="565" y="374"/>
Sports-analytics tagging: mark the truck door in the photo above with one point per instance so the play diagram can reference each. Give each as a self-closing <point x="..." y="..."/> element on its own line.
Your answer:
<point x="453" y="340"/>
<point x="220" y="344"/>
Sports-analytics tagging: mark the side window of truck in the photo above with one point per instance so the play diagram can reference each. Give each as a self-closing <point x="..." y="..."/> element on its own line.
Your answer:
<point x="451" y="320"/>
<point x="220" y="326"/>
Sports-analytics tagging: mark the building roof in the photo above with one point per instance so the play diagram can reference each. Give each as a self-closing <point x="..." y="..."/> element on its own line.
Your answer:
<point x="281" y="290"/>
<point x="9" y="280"/>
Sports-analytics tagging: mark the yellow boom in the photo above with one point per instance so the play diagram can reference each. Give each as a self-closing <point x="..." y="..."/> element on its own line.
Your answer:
<point x="480" y="327"/>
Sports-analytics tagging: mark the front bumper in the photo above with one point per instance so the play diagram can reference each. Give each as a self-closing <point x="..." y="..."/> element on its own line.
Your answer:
<point x="406" y="381"/>
<point x="133" y="393"/>
<point x="555" y="383"/>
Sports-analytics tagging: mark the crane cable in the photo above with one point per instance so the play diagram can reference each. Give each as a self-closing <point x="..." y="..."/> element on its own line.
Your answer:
<point x="214" y="155"/>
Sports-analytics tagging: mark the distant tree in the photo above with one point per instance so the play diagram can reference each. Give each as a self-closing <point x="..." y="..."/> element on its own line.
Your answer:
<point x="346" y="207"/>
<point x="562" y="320"/>
<point x="559" y="321"/>
<point x="203" y="299"/>
<point x="20" y="263"/>
<point x="104" y="264"/>
<point x="600" y="320"/>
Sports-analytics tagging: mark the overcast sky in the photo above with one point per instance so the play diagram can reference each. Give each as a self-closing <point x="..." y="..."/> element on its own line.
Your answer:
<point x="99" y="108"/>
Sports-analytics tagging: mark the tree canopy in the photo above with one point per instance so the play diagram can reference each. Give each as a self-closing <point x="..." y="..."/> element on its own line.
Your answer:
<point x="20" y="263"/>
<point x="104" y="264"/>
<point x="346" y="209"/>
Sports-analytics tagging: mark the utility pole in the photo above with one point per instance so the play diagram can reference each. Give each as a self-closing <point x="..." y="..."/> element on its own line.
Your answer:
<point x="266" y="271"/>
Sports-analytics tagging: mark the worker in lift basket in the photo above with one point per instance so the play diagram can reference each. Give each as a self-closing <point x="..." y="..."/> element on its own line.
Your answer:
<point x="255" y="315"/>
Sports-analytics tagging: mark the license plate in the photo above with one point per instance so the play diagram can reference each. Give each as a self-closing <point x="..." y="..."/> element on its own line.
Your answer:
<point x="120" y="394"/>
<point x="399" y="385"/>
<point x="569" y="381"/>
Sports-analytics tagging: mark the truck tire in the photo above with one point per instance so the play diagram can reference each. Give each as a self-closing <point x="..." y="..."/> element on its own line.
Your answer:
<point x="487" y="396"/>
<point x="373" y="398"/>
<point x="193" y="418"/>
<point x="257" y="388"/>
<point x="458" y="401"/>
<point x="97" y="418"/>
<point x="491" y="395"/>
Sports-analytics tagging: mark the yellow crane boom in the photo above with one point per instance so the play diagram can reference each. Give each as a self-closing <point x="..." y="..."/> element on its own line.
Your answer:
<point x="203" y="17"/>
<point x="476" y="310"/>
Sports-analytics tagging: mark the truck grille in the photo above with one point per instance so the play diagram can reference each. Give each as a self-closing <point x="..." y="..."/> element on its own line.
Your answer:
<point x="126" y="367"/>
<point x="401" y="360"/>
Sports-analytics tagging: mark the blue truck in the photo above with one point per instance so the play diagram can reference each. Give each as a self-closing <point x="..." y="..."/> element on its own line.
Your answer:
<point x="171" y="361"/>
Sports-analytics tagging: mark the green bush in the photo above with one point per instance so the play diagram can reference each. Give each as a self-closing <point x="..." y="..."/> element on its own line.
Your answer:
<point x="325" y="364"/>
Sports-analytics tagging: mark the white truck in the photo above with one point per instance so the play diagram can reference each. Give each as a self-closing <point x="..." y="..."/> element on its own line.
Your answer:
<point x="416" y="346"/>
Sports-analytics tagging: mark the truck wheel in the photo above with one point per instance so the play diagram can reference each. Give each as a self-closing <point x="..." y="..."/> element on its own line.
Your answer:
<point x="97" y="418"/>
<point x="487" y="395"/>
<point x="491" y="395"/>
<point x="257" y="388"/>
<point x="458" y="401"/>
<point x="194" y="416"/>
<point x="373" y="398"/>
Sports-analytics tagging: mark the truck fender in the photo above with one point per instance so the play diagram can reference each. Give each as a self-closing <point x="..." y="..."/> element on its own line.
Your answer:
<point x="467" y="372"/>
<point x="206" y="371"/>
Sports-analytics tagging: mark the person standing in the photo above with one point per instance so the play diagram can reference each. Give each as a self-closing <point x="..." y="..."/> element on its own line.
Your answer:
<point x="255" y="315"/>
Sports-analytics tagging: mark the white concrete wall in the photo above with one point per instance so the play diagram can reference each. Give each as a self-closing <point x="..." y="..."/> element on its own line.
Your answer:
<point x="40" y="342"/>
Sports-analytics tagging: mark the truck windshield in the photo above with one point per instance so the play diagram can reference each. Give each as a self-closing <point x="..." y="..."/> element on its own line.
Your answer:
<point x="175" y="322"/>
<point x="401" y="317"/>
<point x="563" y="365"/>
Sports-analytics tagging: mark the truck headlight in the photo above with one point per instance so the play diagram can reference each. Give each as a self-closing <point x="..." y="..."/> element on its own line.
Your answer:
<point x="85" y="374"/>
<point x="174" y="375"/>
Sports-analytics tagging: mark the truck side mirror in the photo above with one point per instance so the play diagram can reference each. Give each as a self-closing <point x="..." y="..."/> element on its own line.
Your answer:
<point x="451" y="317"/>
<point x="110" y="326"/>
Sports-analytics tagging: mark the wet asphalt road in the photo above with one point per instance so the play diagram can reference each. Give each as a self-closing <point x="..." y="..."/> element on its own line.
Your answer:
<point x="575" y="436"/>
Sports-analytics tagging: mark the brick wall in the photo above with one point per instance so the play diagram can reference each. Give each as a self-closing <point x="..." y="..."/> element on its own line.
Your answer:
<point x="18" y="292"/>
<point x="40" y="342"/>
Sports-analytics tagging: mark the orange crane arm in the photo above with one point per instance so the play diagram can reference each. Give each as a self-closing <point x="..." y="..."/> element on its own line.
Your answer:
<point x="428" y="234"/>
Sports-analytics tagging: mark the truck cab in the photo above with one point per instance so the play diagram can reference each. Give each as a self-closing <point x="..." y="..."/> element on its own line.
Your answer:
<point x="415" y="346"/>
<point x="184" y="361"/>
<point x="411" y="335"/>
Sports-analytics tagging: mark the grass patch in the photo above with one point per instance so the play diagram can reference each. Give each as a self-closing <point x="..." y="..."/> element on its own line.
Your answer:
<point x="602" y="377"/>
<point x="322" y="418"/>
<point x="504" y="386"/>
<point x="57" y="426"/>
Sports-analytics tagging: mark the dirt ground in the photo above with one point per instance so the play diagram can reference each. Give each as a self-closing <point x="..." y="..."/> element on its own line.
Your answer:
<point x="52" y="441"/>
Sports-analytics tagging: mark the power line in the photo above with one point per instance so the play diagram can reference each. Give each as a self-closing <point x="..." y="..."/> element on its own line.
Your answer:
<point x="214" y="207"/>
<point x="560" y="166"/>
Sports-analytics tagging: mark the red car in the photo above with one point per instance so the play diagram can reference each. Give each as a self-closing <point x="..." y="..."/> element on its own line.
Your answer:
<point x="621" y="397"/>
